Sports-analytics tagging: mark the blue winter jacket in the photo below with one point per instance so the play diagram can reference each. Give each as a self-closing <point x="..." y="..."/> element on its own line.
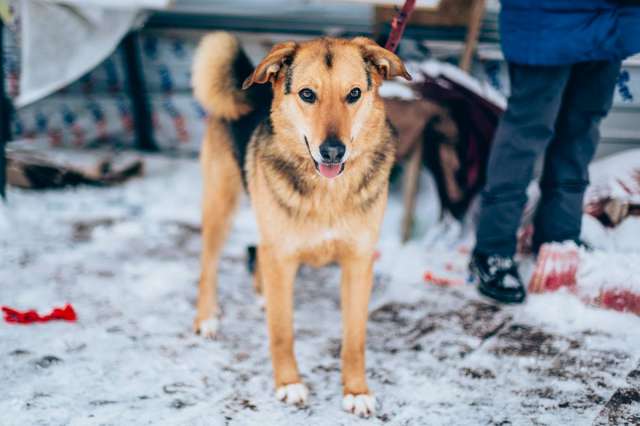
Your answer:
<point x="558" y="32"/>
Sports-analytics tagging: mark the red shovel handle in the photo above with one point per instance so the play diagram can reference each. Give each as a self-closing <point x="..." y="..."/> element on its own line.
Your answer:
<point x="398" y="24"/>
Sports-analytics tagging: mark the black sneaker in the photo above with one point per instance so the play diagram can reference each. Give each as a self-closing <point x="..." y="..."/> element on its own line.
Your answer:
<point x="497" y="278"/>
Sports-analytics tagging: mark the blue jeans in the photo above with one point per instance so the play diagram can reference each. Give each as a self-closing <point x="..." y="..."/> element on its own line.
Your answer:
<point x="555" y="111"/>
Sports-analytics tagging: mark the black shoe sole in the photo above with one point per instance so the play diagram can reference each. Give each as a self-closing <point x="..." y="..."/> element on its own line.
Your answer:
<point x="501" y="297"/>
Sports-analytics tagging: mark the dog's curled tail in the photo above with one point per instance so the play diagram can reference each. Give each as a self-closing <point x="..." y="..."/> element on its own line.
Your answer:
<point x="219" y="67"/>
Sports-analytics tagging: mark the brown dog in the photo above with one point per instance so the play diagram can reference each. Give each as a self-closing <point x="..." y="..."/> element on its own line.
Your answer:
<point x="314" y="152"/>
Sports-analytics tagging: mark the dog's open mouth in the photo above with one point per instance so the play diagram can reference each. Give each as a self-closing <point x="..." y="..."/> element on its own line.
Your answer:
<point x="329" y="170"/>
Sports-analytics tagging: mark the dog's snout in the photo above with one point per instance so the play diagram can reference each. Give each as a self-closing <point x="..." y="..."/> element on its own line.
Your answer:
<point x="332" y="150"/>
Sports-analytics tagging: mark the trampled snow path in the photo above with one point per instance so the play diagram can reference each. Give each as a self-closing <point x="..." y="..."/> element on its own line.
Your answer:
<point x="127" y="258"/>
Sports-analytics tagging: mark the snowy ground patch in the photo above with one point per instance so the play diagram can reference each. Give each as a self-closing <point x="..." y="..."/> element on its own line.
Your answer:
<point x="127" y="258"/>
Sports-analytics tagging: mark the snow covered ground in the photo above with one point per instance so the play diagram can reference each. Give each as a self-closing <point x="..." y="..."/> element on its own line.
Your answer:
<point x="127" y="258"/>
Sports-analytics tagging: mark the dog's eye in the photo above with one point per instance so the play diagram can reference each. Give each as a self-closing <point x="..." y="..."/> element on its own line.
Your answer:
<point x="307" y="95"/>
<point x="353" y="95"/>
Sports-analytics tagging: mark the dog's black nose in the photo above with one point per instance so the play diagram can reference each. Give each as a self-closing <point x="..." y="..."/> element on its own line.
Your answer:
<point x="332" y="150"/>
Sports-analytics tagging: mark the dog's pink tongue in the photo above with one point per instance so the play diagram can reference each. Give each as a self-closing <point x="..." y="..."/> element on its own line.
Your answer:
<point x="329" y="170"/>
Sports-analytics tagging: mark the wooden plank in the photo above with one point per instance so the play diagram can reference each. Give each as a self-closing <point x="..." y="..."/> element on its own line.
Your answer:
<point x="410" y="186"/>
<point x="473" y="32"/>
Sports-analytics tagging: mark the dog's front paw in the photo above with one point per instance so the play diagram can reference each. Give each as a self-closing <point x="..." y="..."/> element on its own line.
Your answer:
<point x="293" y="394"/>
<point x="363" y="405"/>
<point x="206" y="327"/>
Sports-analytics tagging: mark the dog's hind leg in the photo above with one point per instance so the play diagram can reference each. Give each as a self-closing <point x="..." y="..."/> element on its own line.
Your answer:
<point x="257" y="279"/>
<point x="222" y="185"/>
<point x="254" y="268"/>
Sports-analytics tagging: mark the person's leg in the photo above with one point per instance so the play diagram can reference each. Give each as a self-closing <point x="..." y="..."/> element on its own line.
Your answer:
<point x="522" y="135"/>
<point x="587" y="99"/>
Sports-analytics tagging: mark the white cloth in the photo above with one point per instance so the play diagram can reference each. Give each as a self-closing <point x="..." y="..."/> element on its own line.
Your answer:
<point x="61" y="42"/>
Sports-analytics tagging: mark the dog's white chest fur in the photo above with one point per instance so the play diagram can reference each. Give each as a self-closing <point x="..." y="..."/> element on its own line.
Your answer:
<point x="324" y="238"/>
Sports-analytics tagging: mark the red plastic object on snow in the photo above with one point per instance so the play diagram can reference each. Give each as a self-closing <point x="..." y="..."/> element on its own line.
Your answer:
<point x="66" y="313"/>
<point x="620" y="300"/>
<point x="558" y="266"/>
<point x="441" y="280"/>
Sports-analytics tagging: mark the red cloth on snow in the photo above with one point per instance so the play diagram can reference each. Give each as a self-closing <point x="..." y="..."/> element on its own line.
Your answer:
<point x="66" y="313"/>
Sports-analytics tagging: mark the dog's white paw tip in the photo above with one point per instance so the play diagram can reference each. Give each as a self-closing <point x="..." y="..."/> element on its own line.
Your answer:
<point x="362" y="405"/>
<point x="293" y="394"/>
<point x="208" y="328"/>
<point x="260" y="302"/>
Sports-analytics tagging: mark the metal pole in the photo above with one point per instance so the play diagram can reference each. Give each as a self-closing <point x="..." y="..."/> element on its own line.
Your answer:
<point x="138" y="94"/>
<point x="4" y="120"/>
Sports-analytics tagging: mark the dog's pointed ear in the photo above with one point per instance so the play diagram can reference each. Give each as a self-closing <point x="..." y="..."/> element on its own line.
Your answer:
<point x="268" y="68"/>
<point x="387" y="63"/>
